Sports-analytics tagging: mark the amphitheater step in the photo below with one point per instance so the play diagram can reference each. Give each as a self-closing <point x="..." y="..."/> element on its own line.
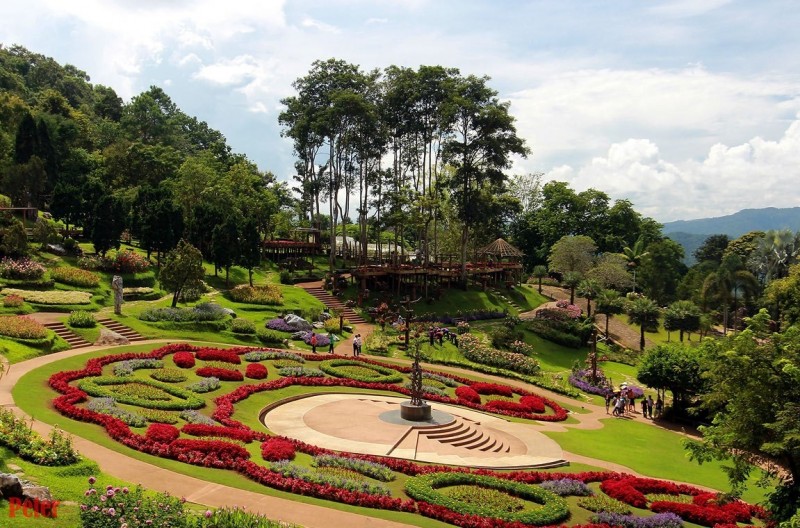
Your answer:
<point x="72" y="339"/>
<point x="121" y="329"/>
<point x="332" y="302"/>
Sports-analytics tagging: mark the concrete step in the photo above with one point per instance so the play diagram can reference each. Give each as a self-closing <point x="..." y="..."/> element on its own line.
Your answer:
<point x="72" y="339"/>
<point x="121" y="329"/>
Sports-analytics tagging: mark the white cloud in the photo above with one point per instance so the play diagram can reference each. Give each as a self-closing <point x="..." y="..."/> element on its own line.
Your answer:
<point x="758" y="173"/>
<point x="322" y="26"/>
<point x="687" y="8"/>
<point x="230" y="72"/>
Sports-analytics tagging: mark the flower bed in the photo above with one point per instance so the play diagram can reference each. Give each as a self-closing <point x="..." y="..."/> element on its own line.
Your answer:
<point x="468" y="394"/>
<point x="279" y="324"/>
<point x="21" y="269"/>
<point x="215" y="354"/>
<point x="21" y="327"/>
<point x="256" y="371"/>
<point x="269" y="294"/>
<point x="456" y="506"/>
<point x="263" y="355"/>
<point x="163" y="433"/>
<point x="582" y="379"/>
<point x="102" y="387"/>
<point x="473" y="348"/>
<point x="337" y="368"/>
<point x="168" y="375"/>
<point x="75" y="277"/>
<point x="183" y="359"/>
<point x="492" y="388"/>
<point x="51" y="297"/>
<point x="220" y="373"/>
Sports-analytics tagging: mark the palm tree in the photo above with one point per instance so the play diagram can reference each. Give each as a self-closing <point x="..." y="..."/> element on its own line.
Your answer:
<point x="723" y="286"/>
<point x="643" y="312"/>
<point x="539" y="272"/>
<point x="634" y="256"/>
<point x="589" y="289"/>
<point x="683" y="316"/>
<point x="609" y="303"/>
<point x="571" y="279"/>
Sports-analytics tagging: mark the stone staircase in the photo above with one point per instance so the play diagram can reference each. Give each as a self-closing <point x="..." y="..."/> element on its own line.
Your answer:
<point x="73" y="339"/>
<point x="335" y="304"/>
<point x="506" y="299"/>
<point x="121" y="329"/>
<point x="461" y="433"/>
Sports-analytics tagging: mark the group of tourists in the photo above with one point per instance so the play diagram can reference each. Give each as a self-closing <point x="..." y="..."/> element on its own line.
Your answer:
<point x="439" y="334"/>
<point x="357" y="342"/>
<point x="623" y="403"/>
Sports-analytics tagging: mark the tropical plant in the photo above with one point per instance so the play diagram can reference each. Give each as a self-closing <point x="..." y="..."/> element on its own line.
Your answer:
<point x="539" y="272"/>
<point x="609" y="303"/>
<point x="643" y="312"/>
<point x="634" y="255"/>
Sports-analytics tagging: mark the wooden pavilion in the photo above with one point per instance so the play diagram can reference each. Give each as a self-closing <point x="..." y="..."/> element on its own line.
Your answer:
<point x="501" y="254"/>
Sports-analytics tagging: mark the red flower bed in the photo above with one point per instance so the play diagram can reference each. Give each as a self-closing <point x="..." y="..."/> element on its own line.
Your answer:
<point x="243" y="435"/>
<point x="256" y="371"/>
<point x="492" y="388"/>
<point x="468" y="394"/>
<point x="229" y="355"/>
<point x="225" y="455"/>
<point x="533" y="403"/>
<point x="221" y="373"/>
<point x="183" y="359"/>
<point x="163" y="433"/>
<point x="504" y="405"/>
<point x="275" y="449"/>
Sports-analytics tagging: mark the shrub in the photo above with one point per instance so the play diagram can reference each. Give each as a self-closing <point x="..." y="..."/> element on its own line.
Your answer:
<point x="332" y="325"/>
<point x="164" y="433"/>
<point x="125" y="262"/>
<point x="468" y="394"/>
<point x="21" y="269"/>
<point x="269" y="337"/>
<point x="13" y="301"/>
<point x="256" y="371"/>
<point x="81" y="319"/>
<point x="492" y="388"/>
<point x="21" y="327"/>
<point x="264" y="355"/>
<point x="503" y="337"/>
<point x="52" y="297"/>
<point x="263" y="294"/>
<point x="133" y="505"/>
<point x="301" y="372"/>
<point x="106" y="405"/>
<point x="183" y="359"/>
<point x="15" y="434"/>
<point x="604" y="503"/>
<point x="286" y="277"/>
<point x="566" y="486"/>
<point x="521" y="347"/>
<point x="75" y="277"/>
<point x="659" y="520"/>
<point x="370" y="374"/>
<point x="533" y="403"/>
<point x="370" y="469"/>
<point x="201" y="312"/>
<point x="243" y="326"/>
<point x="126" y="368"/>
<point x="275" y="449"/>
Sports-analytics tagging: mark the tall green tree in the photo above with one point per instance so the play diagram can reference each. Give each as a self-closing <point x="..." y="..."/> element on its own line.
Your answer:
<point x="753" y="397"/>
<point x="540" y="272"/>
<point x="483" y="139"/>
<point x="661" y="270"/>
<point x="225" y="245"/>
<point x="609" y="303"/>
<point x="107" y="224"/>
<point x="644" y="313"/>
<point x="683" y="316"/>
<point x="712" y="249"/>
<point x="727" y="285"/>
<point x="572" y="253"/>
<point x="634" y="255"/>
<point x="182" y="269"/>
<point x="676" y="368"/>
<point x="249" y="247"/>
<point x="589" y="289"/>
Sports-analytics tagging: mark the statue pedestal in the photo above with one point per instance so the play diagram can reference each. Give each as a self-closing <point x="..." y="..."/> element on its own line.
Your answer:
<point x="415" y="413"/>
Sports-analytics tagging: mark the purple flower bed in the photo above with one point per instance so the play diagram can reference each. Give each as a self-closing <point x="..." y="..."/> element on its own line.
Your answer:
<point x="322" y="339"/>
<point x="659" y="520"/>
<point x="567" y="486"/>
<point x="279" y="325"/>
<point x="475" y="315"/>
<point x="581" y="379"/>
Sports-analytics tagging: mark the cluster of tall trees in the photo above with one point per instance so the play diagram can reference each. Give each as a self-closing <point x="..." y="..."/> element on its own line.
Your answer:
<point x="424" y="152"/>
<point x="106" y="166"/>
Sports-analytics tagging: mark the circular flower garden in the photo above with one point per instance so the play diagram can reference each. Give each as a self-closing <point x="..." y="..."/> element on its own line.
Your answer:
<point x="179" y="401"/>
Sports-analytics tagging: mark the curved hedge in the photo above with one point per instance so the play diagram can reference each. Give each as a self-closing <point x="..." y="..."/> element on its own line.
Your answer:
<point x="97" y="387"/>
<point x="385" y="374"/>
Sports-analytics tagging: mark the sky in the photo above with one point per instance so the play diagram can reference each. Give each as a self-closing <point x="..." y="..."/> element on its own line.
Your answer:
<point x="687" y="108"/>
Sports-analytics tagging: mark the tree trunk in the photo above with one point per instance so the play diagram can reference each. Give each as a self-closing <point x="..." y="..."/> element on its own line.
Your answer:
<point x="175" y="297"/>
<point x="641" y="339"/>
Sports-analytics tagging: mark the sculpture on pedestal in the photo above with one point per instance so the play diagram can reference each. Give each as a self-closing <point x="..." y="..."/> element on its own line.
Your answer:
<point x="116" y="285"/>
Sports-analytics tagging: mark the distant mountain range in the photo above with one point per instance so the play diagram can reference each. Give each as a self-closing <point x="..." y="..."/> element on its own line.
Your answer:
<point x="692" y="233"/>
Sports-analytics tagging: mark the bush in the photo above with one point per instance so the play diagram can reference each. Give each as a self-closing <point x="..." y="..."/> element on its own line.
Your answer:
<point x="332" y="325"/>
<point x="503" y="337"/>
<point x="133" y="505"/>
<point x="270" y="337"/>
<point x="20" y="438"/>
<point x="243" y="326"/>
<point x="200" y="313"/>
<point x="468" y="394"/>
<point x="279" y="325"/>
<point x="75" y="277"/>
<point x="256" y="371"/>
<point x="163" y="433"/>
<point x="264" y="294"/>
<point x="168" y="375"/>
<point x="81" y="319"/>
<point x="220" y="373"/>
<point x="276" y="449"/>
<point x="13" y="301"/>
<point x="21" y="327"/>
<point x="217" y="354"/>
<point x="183" y="359"/>
<point x="21" y="269"/>
<point x="571" y="334"/>
<point x="286" y="277"/>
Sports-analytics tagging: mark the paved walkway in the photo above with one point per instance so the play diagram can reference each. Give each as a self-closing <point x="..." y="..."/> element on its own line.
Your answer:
<point x="197" y="491"/>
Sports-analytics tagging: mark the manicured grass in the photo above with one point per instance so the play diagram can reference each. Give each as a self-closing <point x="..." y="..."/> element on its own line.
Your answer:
<point x="15" y="351"/>
<point x="649" y="450"/>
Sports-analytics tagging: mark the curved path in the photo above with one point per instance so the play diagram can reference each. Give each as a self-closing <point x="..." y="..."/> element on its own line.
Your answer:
<point x="198" y="491"/>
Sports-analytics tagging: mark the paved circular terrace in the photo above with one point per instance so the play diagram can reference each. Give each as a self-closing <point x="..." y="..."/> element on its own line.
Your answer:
<point x="370" y="424"/>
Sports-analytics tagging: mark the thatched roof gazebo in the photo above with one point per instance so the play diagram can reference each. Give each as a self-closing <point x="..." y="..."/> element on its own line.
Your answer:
<point x="500" y="249"/>
<point x="505" y="256"/>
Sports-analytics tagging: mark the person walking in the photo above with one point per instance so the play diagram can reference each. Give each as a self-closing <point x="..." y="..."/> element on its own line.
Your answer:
<point x="650" y="405"/>
<point x="313" y="342"/>
<point x="330" y="345"/>
<point x="355" y="345"/>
